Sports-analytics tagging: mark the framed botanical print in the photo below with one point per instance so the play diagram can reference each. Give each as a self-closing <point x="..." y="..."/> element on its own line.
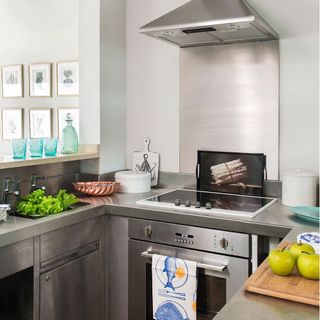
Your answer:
<point x="68" y="78"/>
<point x="12" y="123"/>
<point x="62" y="115"/>
<point x="12" y="81"/>
<point x="40" y="123"/>
<point x="40" y="80"/>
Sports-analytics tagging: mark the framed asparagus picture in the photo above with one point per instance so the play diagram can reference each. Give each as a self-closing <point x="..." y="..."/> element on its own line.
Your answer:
<point x="231" y="172"/>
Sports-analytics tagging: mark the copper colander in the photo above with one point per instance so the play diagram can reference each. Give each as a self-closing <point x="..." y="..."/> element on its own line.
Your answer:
<point x="97" y="188"/>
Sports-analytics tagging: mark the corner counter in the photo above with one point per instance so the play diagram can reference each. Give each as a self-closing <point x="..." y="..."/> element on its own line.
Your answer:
<point x="246" y="305"/>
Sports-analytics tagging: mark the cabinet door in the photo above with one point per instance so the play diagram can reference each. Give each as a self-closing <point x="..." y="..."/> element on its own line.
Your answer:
<point x="72" y="291"/>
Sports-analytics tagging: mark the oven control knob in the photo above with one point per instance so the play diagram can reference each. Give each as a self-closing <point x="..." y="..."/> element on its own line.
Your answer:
<point x="177" y="202"/>
<point x="198" y="204"/>
<point x="187" y="203"/>
<point x="208" y="205"/>
<point x="224" y="243"/>
<point x="148" y="231"/>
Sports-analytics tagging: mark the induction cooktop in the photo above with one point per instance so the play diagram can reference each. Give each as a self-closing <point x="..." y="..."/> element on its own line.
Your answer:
<point x="203" y="202"/>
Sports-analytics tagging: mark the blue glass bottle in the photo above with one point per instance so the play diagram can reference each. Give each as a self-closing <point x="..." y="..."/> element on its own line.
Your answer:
<point x="69" y="137"/>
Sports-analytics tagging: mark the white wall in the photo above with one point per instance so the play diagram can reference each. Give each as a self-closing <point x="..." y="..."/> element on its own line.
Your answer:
<point x="113" y="86"/>
<point x="102" y="82"/>
<point x="298" y="25"/>
<point x="89" y="53"/>
<point x="34" y="31"/>
<point x="152" y="82"/>
<point x="89" y="99"/>
<point x="152" y="85"/>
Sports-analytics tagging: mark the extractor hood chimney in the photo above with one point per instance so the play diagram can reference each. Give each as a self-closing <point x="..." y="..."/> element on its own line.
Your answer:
<point x="210" y="22"/>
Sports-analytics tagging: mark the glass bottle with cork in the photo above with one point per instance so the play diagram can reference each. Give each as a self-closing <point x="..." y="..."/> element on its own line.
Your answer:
<point x="69" y="137"/>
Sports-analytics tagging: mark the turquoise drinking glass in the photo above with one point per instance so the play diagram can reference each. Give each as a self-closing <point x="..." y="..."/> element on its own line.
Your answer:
<point x="50" y="147"/>
<point x="19" y="148"/>
<point x="36" y="147"/>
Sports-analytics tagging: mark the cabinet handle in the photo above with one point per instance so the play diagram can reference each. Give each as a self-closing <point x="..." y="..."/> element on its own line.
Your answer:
<point x="47" y="278"/>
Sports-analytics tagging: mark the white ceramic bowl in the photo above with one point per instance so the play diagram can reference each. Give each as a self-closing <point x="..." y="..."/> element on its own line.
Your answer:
<point x="133" y="182"/>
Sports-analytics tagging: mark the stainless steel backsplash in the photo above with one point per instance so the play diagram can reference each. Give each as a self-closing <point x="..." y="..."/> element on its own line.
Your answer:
<point x="52" y="176"/>
<point x="229" y="101"/>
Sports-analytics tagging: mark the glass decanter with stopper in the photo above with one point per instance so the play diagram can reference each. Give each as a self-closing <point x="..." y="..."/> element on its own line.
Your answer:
<point x="69" y="137"/>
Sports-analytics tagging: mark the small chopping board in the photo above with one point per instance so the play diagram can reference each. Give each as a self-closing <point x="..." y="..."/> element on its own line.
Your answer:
<point x="292" y="287"/>
<point x="146" y="161"/>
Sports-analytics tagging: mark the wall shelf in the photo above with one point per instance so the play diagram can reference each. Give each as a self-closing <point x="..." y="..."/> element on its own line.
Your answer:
<point x="86" y="152"/>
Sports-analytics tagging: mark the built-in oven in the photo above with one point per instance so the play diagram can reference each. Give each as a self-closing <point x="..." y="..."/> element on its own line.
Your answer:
<point x="223" y="263"/>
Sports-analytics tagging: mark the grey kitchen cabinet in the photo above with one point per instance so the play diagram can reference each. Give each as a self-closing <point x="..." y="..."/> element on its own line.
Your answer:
<point x="16" y="257"/>
<point x="72" y="290"/>
<point x="72" y="272"/>
<point x="117" y="235"/>
<point x="16" y="296"/>
<point x="16" y="280"/>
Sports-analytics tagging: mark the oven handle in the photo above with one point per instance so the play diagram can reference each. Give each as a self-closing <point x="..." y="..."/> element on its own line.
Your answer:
<point x="218" y="267"/>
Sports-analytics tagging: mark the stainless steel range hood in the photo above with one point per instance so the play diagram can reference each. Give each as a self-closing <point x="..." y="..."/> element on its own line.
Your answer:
<point x="210" y="22"/>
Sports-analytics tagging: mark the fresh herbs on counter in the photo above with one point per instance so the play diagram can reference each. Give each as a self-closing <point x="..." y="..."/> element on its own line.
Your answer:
<point x="38" y="203"/>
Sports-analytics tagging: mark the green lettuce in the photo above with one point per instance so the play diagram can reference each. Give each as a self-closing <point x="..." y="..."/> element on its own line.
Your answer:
<point x="37" y="203"/>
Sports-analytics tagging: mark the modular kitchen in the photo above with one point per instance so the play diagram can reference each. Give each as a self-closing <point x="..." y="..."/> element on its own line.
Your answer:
<point x="159" y="160"/>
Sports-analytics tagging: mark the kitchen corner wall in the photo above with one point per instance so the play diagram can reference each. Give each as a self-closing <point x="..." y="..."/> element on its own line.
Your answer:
<point x="32" y="32"/>
<point x="298" y="26"/>
<point x="153" y="82"/>
<point x="102" y="82"/>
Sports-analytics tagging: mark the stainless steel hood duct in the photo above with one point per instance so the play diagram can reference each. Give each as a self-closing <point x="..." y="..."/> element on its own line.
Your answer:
<point x="210" y="22"/>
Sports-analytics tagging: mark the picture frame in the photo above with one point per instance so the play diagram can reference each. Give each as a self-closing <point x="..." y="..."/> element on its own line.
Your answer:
<point x="67" y="78"/>
<point x="231" y="172"/>
<point x="40" y="122"/>
<point x="40" y="80"/>
<point x="12" y="123"/>
<point x="12" y="81"/>
<point x="61" y="119"/>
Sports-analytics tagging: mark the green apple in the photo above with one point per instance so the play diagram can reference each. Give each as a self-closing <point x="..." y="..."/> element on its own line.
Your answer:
<point x="308" y="265"/>
<point x="281" y="261"/>
<point x="297" y="248"/>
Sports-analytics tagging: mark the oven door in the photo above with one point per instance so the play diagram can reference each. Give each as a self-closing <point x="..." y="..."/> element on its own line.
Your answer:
<point x="216" y="283"/>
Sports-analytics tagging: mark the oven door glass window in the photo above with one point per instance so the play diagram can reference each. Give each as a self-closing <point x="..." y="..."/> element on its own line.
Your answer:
<point x="211" y="295"/>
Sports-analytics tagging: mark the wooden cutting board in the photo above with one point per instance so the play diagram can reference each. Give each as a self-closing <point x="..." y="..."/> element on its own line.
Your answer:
<point x="146" y="161"/>
<point x="293" y="287"/>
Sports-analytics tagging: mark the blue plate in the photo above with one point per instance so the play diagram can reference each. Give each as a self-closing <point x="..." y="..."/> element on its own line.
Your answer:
<point x="307" y="213"/>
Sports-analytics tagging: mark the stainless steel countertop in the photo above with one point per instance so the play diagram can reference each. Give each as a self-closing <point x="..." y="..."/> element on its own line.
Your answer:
<point x="275" y="221"/>
<point x="16" y="229"/>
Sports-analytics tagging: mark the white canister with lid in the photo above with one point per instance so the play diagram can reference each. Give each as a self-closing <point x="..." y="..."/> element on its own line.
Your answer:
<point x="299" y="188"/>
<point x="133" y="182"/>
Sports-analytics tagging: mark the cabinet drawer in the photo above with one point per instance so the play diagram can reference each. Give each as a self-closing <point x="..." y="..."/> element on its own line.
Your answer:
<point x="16" y="257"/>
<point x="61" y="241"/>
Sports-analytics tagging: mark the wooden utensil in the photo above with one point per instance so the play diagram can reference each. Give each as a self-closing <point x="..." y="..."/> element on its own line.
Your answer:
<point x="293" y="287"/>
<point x="146" y="161"/>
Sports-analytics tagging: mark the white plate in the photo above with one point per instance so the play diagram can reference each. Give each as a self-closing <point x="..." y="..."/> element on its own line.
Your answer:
<point x="312" y="238"/>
